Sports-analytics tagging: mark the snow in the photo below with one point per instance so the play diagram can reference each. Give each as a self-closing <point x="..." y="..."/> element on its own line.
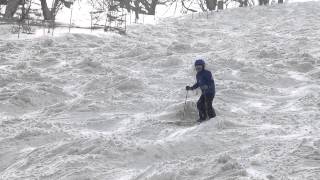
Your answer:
<point x="104" y="106"/>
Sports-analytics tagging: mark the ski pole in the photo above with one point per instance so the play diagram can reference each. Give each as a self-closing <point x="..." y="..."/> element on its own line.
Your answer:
<point x="185" y="103"/>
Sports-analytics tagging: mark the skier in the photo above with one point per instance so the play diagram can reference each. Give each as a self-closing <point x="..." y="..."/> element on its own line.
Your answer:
<point x="206" y="83"/>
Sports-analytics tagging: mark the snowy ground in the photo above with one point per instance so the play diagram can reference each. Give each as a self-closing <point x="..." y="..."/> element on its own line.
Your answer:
<point x="81" y="106"/>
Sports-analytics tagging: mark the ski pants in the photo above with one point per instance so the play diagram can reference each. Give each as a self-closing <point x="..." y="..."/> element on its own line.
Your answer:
<point x="205" y="108"/>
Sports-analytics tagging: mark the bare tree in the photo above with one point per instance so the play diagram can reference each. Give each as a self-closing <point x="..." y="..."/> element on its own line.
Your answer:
<point x="187" y="7"/>
<point x="204" y="5"/>
<point x="3" y="2"/>
<point x="11" y="8"/>
<point x="211" y="4"/>
<point x="45" y="10"/>
<point x="50" y="14"/>
<point x="263" y="2"/>
<point x="144" y="7"/>
<point x="243" y="3"/>
<point x="137" y="6"/>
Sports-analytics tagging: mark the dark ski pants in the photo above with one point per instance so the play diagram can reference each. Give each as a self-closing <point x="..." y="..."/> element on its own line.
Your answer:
<point x="205" y="108"/>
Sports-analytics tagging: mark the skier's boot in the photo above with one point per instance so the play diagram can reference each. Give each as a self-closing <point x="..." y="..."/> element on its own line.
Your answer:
<point x="212" y="114"/>
<point x="200" y="120"/>
<point x="210" y="117"/>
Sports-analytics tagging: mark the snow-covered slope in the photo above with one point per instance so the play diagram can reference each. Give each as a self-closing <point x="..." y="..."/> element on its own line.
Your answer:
<point x="81" y="106"/>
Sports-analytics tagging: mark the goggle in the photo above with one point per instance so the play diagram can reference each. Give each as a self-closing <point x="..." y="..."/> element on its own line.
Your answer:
<point x="198" y="67"/>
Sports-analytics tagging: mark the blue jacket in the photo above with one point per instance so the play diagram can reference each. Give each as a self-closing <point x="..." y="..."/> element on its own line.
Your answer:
<point x="205" y="82"/>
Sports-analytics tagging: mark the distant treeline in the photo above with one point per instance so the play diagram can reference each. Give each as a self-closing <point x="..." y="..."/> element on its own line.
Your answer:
<point x="147" y="7"/>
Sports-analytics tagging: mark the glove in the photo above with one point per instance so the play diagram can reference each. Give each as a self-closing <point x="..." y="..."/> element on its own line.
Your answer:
<point x="188" y="88"/>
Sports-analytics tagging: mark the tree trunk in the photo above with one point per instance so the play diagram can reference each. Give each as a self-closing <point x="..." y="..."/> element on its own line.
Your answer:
<point x="280" y="1"/>
<point x="220" y="5"/>
<point x="45" y="10"/>
<point x="243" y="3"/>
<point x="3" y="2"/>
<point x="136" y="10"/>
<point x="47" y="13"/>
<point x="11" y="8"/>
<point x="153" y="5"/>
<point x="246" y="3"/>
<point x="54" y="9"/>
<point x="211" y="4"/>
<point x="147" y="7"/>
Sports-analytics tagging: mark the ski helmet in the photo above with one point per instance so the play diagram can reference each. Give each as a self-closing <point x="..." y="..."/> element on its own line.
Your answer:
<point x="199" y="62"/>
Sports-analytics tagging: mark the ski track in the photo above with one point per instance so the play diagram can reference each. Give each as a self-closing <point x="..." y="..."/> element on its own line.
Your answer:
<point x="81" y="106"/>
